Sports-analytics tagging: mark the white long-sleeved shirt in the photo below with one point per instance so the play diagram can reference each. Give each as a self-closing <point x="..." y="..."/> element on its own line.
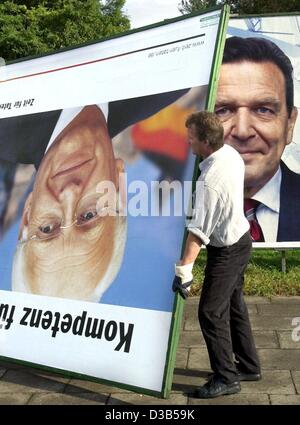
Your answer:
<point x="218" y="214"/>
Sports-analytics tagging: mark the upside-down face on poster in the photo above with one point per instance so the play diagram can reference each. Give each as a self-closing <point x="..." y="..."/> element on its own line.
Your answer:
<point x="95" y="168"/>
<point x="258" y="101"/>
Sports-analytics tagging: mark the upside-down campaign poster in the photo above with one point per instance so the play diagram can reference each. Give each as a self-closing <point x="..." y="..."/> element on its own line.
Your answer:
<point x="96" y="180"/>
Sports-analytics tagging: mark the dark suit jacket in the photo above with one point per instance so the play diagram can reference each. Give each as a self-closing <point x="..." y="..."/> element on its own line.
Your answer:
<point x="24" y="139"/>
<point x="289" y="214"/>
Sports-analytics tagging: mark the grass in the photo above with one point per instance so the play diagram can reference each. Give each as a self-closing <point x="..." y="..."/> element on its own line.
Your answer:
<point x="263" y="276"/>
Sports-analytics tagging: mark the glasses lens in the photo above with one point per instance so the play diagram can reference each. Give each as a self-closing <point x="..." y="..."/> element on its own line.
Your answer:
<point x="93" y="207"/>
<point x="48" y="229"/>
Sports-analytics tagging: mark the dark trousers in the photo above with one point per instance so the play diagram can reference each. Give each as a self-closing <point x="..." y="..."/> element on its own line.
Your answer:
<point x="223" y="314"/>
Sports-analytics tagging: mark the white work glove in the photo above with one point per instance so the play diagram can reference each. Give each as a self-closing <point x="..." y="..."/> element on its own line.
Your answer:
<point x="183" y="279"/>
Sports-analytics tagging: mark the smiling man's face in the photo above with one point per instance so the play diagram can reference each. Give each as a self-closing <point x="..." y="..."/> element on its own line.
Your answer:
<point x="251" y="103"/>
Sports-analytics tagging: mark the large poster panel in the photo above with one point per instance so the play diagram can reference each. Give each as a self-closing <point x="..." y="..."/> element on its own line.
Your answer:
<point x="93" y="224"/>
<point x="258" y="101"/>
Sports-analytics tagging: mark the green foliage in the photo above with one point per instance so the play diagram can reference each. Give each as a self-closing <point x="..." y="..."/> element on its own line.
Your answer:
<point x="242" y="6"/>
<point x="263" y="276"/>
<point x="188" y="6"/>
<point x="268" y="6"/>
<point x="33" y="27"/>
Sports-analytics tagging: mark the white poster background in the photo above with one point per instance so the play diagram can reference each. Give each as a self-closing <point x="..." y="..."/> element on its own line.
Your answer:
<point x="142" y="365"/>
<point x="157" y="60"/>
<point x="168" y="57"/>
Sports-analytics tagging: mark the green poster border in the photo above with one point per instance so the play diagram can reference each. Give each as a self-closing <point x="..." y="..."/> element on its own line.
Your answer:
<point x="209" y="106"/>
<point x="178" y="301"/>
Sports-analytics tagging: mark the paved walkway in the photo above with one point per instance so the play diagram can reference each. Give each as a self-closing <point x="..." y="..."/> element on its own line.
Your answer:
<point x="279" y="354"/>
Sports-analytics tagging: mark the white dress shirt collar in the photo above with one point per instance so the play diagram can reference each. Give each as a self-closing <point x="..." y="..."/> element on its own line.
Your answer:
<point x="269" y="194"/>
<point x="67" y="115"/>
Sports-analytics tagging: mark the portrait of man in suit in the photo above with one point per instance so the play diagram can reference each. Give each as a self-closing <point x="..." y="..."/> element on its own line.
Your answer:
<point x="255" y="102"/>
<point x="72" y="240"/>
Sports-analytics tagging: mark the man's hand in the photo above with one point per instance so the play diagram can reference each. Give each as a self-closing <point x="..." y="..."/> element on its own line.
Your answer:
<point x="183" y="279"/>
<point x="182" y="288"/>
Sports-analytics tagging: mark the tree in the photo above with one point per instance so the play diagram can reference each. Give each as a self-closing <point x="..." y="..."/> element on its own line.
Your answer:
<point x="188" y="6"/>
<point x="242" y="6"/>
<point x="33" y="27"/>
<point x="268" y="6"/>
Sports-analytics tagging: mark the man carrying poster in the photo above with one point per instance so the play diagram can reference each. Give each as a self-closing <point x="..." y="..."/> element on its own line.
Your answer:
<point x="218" y="222"/>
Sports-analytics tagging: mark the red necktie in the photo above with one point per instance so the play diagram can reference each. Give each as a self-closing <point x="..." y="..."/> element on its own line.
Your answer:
<point x="250" y="207"/>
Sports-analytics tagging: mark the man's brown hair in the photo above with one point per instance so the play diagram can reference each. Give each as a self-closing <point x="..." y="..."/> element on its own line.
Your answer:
<point x="208" y="127"/>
